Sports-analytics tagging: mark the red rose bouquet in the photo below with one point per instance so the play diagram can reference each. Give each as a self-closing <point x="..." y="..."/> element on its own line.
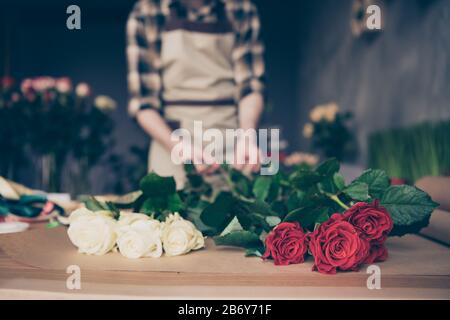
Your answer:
<point x="346" y="241"/>
<point x="313" y="212"/>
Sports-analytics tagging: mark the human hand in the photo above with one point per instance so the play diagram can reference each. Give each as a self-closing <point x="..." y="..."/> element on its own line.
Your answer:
<point x="247" y="157"/>
<point x="203" y="162"/>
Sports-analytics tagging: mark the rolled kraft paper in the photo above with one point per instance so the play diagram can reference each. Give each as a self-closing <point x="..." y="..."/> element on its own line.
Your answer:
<point x="439" y="227"/>
<point x="51" y="249"/>
<point x="438" y="188"/>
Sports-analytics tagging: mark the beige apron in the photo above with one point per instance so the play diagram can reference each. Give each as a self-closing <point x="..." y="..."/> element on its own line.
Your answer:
<point x="198" y="82"/>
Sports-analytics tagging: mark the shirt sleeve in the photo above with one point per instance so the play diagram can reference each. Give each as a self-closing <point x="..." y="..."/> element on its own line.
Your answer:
<point x="248" y="53"/>
<point x="143" y="55"/>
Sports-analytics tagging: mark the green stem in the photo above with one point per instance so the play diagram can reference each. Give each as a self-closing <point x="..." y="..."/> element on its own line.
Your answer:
<point x="230" y="184"/>
<point x="336" y="199"/>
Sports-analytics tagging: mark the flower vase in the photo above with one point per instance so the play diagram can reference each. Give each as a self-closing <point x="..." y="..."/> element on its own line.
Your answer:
<point x="50" y="173"/>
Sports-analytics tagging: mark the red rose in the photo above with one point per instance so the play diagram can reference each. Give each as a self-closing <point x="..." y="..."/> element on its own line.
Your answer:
<point x="286" y="244"/>
<point x="336" y="245"/>
<point x="7" y="82"/>
<point x="371" y="219"/>
<point x="377" y="253"/>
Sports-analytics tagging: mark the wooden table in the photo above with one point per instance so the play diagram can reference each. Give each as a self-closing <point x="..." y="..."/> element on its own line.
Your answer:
<point x="417" y="268"/>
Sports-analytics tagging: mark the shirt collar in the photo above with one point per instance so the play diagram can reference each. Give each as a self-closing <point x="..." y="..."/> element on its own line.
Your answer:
<point x="204" y="10"/>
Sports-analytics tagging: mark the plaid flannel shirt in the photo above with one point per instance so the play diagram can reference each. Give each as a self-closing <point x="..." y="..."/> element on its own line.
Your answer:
<point x="144" y="27"/>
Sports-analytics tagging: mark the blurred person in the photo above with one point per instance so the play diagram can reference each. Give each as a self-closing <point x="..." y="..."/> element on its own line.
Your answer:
<point x="194" y="60"/>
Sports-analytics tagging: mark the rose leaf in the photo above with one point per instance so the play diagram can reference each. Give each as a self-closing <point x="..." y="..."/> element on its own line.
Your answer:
<point x="219" y="213"/>
<point x="261" y="187"/>
<point x="244" y="239"/>
<point x="358" y="191"/>
<point x="377" y="180"/>
<point x="154" y="185"/>
<point x="328" y="168"/>
<point x="409" y="207"/>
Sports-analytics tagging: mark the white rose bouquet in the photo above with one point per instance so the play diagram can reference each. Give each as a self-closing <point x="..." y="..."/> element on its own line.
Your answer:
<point x="135" y="235"/>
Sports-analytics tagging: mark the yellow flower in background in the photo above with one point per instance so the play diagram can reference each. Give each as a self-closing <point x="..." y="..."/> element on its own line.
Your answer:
<point x="330" y="112"/>
<point x="105" y="103"/>
<point x="308" y="130"/>
<point x="326" y="111"/>
<point x="317" y="114"/>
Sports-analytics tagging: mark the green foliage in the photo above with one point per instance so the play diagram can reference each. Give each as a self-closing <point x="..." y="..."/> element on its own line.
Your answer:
<point x="253" y="205"/>
<point x="153" y="185"/>
<point x="413" y="152"/>
<point x="94" y="205"/>
<point x="159" y="196"/>
<point x="334" y="139"/>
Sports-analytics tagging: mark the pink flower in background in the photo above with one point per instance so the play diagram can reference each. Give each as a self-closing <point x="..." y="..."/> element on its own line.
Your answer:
<point x="49" y="96"/>
<point x="41" y="84"/>
<point x="15" y="97"/>
<point x="63" y="85"/>
<point x="26" y="86"/>
<point x="83" y="90"/>
<point x="27" y="89"/>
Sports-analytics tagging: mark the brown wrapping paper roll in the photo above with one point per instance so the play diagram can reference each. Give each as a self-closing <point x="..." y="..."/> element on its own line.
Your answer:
<point x="51" y="249"/>
<point x="438" y="188"/>
<point x="439" y="227"/>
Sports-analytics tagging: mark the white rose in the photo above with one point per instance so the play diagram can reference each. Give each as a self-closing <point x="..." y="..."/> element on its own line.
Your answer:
<point x="92" y="232"/>
<point x="139" y="236"/>
<point x="180" y="236"/>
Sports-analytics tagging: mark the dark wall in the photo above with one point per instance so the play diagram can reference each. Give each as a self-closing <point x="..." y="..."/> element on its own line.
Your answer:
<point x="399" y="77"/>
<point x="396" y="78"/>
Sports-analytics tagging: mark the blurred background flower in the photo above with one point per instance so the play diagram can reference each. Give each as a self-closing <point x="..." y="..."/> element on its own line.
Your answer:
<point x="44" y="124"/>
<point x="105" y="103"/>
<point x="329" y="132"/>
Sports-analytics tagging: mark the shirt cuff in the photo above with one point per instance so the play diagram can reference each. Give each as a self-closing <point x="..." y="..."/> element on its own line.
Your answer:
<point x="138" y="104"/>
<point x="249" y="87"/>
